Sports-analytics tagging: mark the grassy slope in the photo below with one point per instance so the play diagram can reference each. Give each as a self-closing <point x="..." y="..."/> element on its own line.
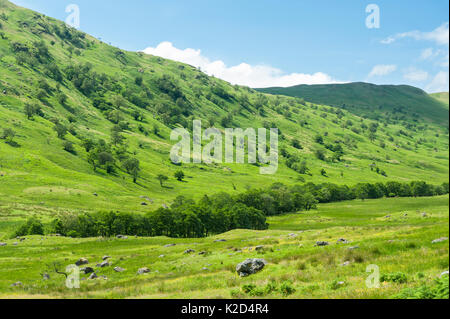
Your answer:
<point x="369" y="99"/>
<point x="396" y="244"/>
<point x="41" y="173"/>
<point x="442" y="97"/>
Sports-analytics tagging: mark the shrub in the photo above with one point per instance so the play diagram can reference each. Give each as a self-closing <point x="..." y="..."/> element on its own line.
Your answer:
<point x="396" y="277"/>
<point x="32" y="226"/>
<point x="286" y="288"/>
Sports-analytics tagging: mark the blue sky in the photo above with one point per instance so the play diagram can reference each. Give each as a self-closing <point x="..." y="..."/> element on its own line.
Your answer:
<point x="268" y="43"/>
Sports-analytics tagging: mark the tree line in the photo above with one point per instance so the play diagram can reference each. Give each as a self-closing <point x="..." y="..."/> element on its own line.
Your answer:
<point x="187" y="218"/>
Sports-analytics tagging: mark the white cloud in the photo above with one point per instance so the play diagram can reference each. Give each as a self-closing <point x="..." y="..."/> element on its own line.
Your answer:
<point x="415" y="75"/>
<point x="438" y="35"/>
<point x="382" y="70"/>
<point x="427" y="54"/>
<point x="439" y="83"/>
<point x="256" y="76"/>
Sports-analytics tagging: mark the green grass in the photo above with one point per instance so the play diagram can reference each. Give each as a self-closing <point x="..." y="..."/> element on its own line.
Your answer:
<point x="296" y="268"/>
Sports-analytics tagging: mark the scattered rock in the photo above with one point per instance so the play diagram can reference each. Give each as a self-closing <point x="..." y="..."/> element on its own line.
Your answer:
<point x="189" y="251"/>
<point x="93" y="276"/>
<point x="95" y="194"/>
<point x="104" y="277"/>
<point x="106" y="257"/>
<point x="81" y="261"/>
<point x="162" y="256"/>
<point x="121" y="237"/>
<point x="45" y="276"/>
<point x="202" y="253"/>
<point x="439" y="240"/>
<point x="342" y="241"/>
<point x="345" y="264"/>
<point x="292" y="235"/>
<point x="143" y="270"/>
<point x="258" y="248"/>
<point x="16" y="284"/>
<point x="16" y="243"/>
<point x="3" y="244"/>
<point x="250" y="266"/>
<point x="119" y="269"/>
<point x="424" y="214"/>
<point x="204" y="268"/>
<point x="445" y="273"/>
<point x="170" y="245"/>
<point x="144" y="204"/>
<point x="322" y="243"/>
<point x="220" y="240"/>
<point x="353" y="247"/>
<point x="387" y="216"/>
<point x="87" y="270"/>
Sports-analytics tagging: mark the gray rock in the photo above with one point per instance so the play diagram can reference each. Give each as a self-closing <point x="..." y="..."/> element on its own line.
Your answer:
<point x="162" y="256"/>
<point x="220" y="240"/>
<point x="82" y="261"/>
<point x="189" y="251"/>
<point x="202" y="253"/>
<point x="144" y="204"/>
<point x="119" y="269"/>
<point x="87" y="270"/>
<point x="105" y="257"/>
<point x="424" y="214"/>
<point x="250" y="266"/>
<point x="143" y="270"/>
<point x="322" y="243"/>
<point x="170" y="245"/>
<point x="260" y="247"/>
<point x="3" y="244"/>
<point x="95" y="194"/>
<point x="439" y="240"/>
<point x="292" y="235"/>
<point x="342" y="241"/>
<point x="93" y="276"/>
<point x="16" y="284"/>
<point x="345" y="264"/>
<point x="445" y="273"/>
<point x="103" y="264"/>
<point x="353" y="247"/>
<point x="46" y="277"/>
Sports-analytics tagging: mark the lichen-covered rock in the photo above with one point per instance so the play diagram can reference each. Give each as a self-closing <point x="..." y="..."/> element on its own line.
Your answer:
<point x="250" y="266"/>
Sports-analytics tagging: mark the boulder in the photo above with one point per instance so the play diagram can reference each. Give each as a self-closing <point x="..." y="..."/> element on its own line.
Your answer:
<point x="81" y="261"/>
<point x="87" y="270"/>
<point x="220" y="240"/>
<point x="143" y="270"/>
<point x="45" y="276"/>
<point x="353" y="247"/>
<point x="93" y="276"/>
<point x="16" y="284"/>
<point x="105" y="257"/>
<point x="260" y="247"/>
<point x="119" y="269"/>
<point x="3" y="244"/>
<point x="439" y="240"/>
<point x="342" y="241"/>
<point x="250" y="266"/>
<point x="202" y="253"/>
<point x="322" y="243"/>
<point x="103" y="264"/>
<point x="189" y="251"/>
<point x="169" y="245"/>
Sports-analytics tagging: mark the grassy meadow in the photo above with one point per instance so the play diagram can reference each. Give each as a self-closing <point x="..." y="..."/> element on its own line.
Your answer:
<point x="296" y="268"/>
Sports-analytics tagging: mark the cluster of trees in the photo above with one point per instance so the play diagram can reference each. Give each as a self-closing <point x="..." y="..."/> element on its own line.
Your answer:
<point x="184" y="219"/>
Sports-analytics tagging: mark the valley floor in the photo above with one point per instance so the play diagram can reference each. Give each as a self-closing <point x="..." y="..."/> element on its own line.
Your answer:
<point x="392" y="234"/>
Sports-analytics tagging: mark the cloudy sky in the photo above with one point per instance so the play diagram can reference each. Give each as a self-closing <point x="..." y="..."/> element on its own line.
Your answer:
<point x="279" y="43"/>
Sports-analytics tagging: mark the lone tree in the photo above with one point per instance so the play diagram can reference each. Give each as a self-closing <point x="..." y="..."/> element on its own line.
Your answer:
<point x="131" y="165"/>
<point x="162" y="178"/>
<point x="8" y="135"/>
<point x="61" y="130"/>
<point x="179" y="175"/>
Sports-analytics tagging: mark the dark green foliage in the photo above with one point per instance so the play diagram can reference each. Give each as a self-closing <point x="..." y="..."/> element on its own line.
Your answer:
<point x="439" y="290"/>
<point x="179" y="175"/>
<point x="397" y="277"/>
<point x="32" y="226"/>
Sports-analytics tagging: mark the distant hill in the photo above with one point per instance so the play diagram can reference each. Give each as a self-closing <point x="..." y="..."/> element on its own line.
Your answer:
<point x="373" y="101"/>
<point x="442" y="97"/>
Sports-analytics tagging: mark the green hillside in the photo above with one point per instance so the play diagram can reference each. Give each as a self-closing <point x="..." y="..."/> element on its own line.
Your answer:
<point x="374" y="101"/>
<point x="69" y="101"/>
<point x="442" y="97"/>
